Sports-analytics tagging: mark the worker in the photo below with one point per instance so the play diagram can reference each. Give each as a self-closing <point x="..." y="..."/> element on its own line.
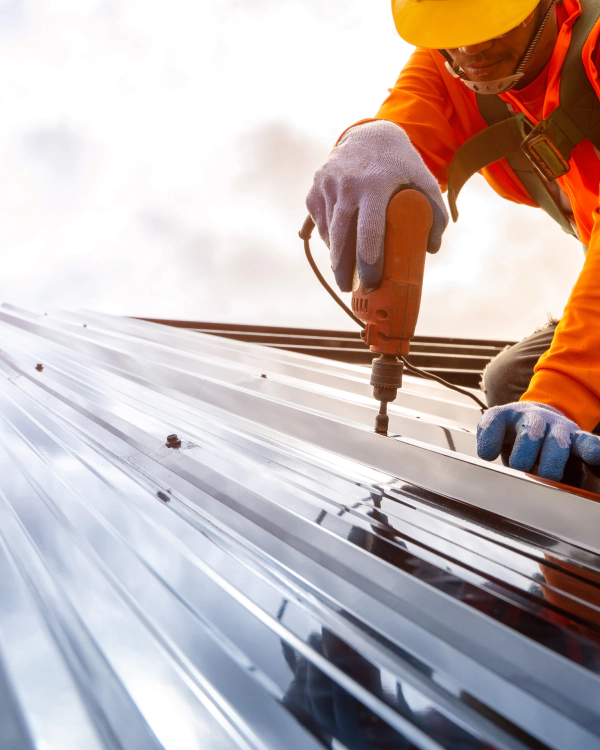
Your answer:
<point x="511" y="89"/>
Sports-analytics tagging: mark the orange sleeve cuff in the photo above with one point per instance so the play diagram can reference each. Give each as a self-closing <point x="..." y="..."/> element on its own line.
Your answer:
<point x="569" y="396"/>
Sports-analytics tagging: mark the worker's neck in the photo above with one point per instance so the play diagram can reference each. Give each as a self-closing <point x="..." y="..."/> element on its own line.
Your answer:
<point x="542" y="53"/>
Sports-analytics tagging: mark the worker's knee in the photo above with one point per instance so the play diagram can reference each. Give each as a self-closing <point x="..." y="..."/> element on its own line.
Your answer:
<point x="507" y="377"/>
<point x="499" y="382"/>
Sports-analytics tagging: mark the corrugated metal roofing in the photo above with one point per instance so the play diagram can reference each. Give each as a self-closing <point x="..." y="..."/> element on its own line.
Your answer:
<point x="285" y="577"/>
<point x="460" y="361"/>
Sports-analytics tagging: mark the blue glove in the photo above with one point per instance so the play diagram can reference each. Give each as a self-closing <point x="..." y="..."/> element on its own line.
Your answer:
<point x="536" y="430"/>
<point x="350" y="195"/>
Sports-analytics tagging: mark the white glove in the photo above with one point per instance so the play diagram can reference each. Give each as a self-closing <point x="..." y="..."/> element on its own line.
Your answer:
<point x="350" y="195"/>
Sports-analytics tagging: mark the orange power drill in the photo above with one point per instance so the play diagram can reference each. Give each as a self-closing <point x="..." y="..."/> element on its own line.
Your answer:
<point x="391" y="310"/>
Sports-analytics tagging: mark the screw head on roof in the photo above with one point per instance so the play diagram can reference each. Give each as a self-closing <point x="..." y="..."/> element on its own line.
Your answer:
<point x="173" y="441"/>
<point x="264" y="376"/>
<point x="85" y="325"/>
<point x="39" y="367"/>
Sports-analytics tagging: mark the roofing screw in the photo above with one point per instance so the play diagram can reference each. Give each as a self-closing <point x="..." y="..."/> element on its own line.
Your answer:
<point x="85" y="325"/>
<point x="162" y="496"/>
<point x="264" y="376"/>
<point x="39" y="367"/>
<point x="173" y="441"/>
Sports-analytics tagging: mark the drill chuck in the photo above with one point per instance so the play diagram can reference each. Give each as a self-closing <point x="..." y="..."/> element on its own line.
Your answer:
<point x="386" y="377"/>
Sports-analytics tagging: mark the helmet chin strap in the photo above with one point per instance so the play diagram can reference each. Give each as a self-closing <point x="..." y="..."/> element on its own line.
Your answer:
<point x="500" y="85"/>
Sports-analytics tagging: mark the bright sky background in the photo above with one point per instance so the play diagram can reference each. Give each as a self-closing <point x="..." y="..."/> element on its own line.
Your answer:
<point x="155" y="157"/>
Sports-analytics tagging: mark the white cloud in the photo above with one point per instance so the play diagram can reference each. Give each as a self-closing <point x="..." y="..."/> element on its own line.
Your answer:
<point x="154" y="160"/>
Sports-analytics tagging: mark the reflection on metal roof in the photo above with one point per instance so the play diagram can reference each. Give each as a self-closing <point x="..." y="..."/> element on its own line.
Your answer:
<point x="280" y="577"/>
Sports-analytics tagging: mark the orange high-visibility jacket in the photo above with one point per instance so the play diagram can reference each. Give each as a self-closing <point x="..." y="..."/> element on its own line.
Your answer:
<point x="439" y="114"/>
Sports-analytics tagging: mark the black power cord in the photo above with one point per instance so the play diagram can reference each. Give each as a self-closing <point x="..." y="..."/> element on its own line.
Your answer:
<point x="305" y="235"/>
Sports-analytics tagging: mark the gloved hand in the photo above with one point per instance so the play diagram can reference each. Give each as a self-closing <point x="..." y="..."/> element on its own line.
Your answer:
<point x="351" y="192"/>
<point x="313" y="695"/>
<point x="535" y="429"/>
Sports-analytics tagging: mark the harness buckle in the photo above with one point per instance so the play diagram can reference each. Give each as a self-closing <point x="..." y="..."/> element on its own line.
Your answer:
<point x="543" y="153"/>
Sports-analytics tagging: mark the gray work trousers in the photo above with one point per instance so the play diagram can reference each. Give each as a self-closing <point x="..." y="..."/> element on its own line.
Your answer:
<point x="507" y="377"/>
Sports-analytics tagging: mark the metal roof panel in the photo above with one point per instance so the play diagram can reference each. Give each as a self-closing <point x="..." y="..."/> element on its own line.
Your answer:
<point x="284" y="575"/>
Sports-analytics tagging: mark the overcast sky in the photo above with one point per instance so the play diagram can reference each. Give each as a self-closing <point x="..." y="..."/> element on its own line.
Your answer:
<point x="155" y="157"/>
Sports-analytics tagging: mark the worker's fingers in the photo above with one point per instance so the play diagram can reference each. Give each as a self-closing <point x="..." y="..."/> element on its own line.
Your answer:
<point x="371" y="237"/>
<point x="491" y="432"/>
<point x="342" y="236"/>
<point x="344" y="270"/>
<point x="370" y="273"/>
<point x="316" y="204"/>
<point x="426" y="184"/>
<point x="553" y="458"/>
<point x="587" y="447"/>
<point x="525" y="450"/>
<point x="440" y="222"/>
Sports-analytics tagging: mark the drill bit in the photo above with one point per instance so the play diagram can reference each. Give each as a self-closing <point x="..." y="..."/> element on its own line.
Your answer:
<point x="386" y="378"/>
<point x="382" y="420"/>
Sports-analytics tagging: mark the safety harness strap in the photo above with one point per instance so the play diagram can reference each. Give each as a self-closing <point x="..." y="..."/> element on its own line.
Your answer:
<point x="502" y="138"/>
<point x="493" y="109"/>
<point x="546" y="148"/>
<point x="577" y="95"/>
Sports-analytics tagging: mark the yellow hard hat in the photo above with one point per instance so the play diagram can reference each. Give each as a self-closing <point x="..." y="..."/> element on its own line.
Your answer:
<point x="447" y="24"/>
